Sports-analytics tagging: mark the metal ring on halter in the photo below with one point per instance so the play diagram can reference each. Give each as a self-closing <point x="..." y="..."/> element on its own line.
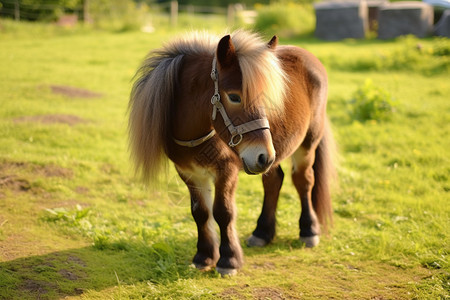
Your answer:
<point x="215" y="98"/>
<point x="232" y="143"/>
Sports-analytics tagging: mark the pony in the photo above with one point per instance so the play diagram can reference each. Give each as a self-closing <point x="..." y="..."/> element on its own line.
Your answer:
<point x="216" y="105"/>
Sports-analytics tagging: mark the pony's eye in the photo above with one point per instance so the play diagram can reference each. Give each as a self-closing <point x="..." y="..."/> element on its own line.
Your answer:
<point x="234" y="98"/>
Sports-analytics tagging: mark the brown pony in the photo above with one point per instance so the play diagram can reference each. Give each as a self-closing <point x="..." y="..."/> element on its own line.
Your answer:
<point x="216" y="106"/>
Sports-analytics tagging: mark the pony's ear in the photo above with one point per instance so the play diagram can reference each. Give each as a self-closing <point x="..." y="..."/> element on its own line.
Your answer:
<point x="273" y="42"/>
<point x="226" y="54"/>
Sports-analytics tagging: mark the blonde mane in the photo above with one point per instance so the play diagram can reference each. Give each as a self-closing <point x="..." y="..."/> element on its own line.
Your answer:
<point x="263" y="79"/>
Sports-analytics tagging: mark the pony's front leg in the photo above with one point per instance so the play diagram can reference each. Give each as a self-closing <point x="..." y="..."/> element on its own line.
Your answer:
<point x="231" y="256"/>
<point x="199" y="185"/>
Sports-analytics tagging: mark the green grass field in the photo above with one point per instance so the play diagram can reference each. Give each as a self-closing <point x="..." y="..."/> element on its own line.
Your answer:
<point x="76" y="223"/>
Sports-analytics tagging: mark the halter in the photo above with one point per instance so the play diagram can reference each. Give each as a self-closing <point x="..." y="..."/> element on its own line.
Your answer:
<point x="235" y="131"/>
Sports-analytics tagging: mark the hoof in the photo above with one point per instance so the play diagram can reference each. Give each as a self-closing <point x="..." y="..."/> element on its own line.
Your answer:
<point x="254" y="241"/>
<point x="226" y="272"/>
<point x="310" y="241"/>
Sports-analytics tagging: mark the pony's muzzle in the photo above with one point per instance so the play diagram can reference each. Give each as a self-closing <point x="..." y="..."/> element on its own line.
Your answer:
<point x="257" y="159"/>
<point x="261" y="165"/>
<point x="264" y="161"/>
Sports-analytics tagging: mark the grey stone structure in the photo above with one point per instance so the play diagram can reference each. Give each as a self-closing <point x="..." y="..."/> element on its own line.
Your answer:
<point x="442" y="28"/>
<point x="402" y="18"/>
<point x="338" y="20"/>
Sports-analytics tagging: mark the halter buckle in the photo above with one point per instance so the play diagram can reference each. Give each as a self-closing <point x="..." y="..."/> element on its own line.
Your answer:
<point x="215" y="99"/>
<point x="214" y="74"/>
<point x="233" y="143"/>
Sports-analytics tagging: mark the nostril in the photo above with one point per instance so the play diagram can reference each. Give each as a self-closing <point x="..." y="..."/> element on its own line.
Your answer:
<point x="262" y="160"/>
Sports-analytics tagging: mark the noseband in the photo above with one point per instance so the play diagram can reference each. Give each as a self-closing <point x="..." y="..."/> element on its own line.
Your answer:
<point x="235" y="131"/>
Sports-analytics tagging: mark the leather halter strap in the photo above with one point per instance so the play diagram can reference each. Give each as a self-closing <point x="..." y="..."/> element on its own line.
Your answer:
<point x="195" y="143"/>
<point x="235" y="131"/>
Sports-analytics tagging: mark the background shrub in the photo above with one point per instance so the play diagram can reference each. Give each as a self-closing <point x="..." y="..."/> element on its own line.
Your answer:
<point x="117" y="15"/>
<point x="370" y="102"/>
<point x="285" y="19"/>
<point x="410" y="54"/>
<point x="40" y="10"/>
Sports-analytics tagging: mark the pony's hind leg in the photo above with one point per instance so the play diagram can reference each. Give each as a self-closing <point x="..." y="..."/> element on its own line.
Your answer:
<point x="265" y="228"/>
<point x="303" y="179"/>
<point x="199" y="185"/>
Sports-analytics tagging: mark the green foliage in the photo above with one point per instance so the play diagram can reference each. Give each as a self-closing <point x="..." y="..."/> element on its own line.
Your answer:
<point x="118" y="15"/>
<point x="410" y="54"/>
<point x="72" y="221"/>
<point x="70" y="217"/>
<point x="222" y="3"/>
<point x="42" y="10"/>
<point x="285" y="20"/>
<point x="370" y="102"/>
<point x="441" y="47"/>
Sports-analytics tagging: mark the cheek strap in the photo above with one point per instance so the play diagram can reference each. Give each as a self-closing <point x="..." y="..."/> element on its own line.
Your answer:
<point x="235" y="131"/>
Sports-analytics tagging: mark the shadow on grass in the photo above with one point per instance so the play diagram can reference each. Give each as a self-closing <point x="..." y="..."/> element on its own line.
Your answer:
<point x="75" y="271"/>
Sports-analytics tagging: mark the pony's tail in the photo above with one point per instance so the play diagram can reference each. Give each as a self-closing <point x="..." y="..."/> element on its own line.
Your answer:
<point x="149" y="112"/>
<point x="324" y="173"/>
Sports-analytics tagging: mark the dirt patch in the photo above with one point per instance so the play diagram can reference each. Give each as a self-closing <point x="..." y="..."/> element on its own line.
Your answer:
<point x="54" y="171"/>
<point x="12" y="175"/>
<point x="264" y="266"/>
<point x="82" y="190"/>
<point x="268" y="293"/>
<point x="70" y="120"/>
<point x="15" y="183"/>
<point x="78" y="291"/>
<point x="76" y="260"/>
<point x="109" y="169"/>
<point x="9" y="165"/>
<point x="73" y="92"/>
<point x="231" y="293"/>
<point x="10" y="169"/>
<point x="37" y="287"/>
<point x="68" y="275"/>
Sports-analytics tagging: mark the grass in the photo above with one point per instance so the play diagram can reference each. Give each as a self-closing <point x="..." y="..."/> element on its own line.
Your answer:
<point x="75" y="223"/>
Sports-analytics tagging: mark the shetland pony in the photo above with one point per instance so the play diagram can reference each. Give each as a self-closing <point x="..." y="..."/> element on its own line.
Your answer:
<point x="215" y="106"/>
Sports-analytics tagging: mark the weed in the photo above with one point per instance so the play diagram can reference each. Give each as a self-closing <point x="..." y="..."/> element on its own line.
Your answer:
<point x="370" y="102"/>
<point x="71" y="217"/>
<point x="101" y="241"/>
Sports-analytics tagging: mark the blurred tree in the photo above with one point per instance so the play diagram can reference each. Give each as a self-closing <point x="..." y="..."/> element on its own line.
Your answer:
<point x="33" y="10"/>
<point x="223" y="3"/>
<point x="50" y="10"/>
<point x="119" y="15"/>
